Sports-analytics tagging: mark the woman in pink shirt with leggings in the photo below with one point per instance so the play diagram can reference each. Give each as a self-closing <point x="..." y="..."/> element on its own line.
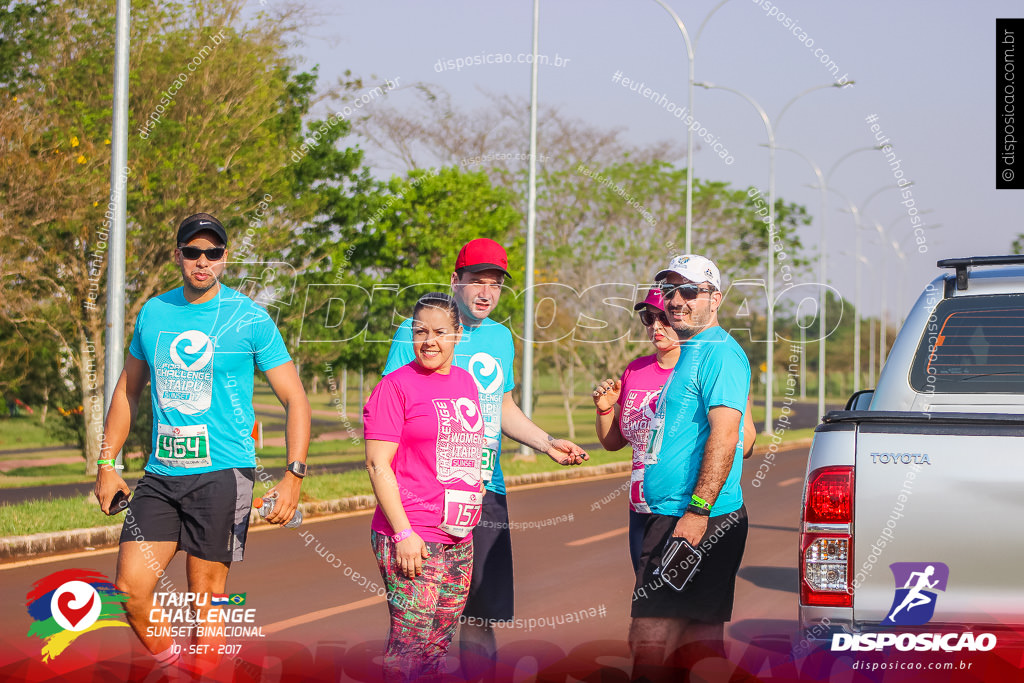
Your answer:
<point x="424" y="440"/>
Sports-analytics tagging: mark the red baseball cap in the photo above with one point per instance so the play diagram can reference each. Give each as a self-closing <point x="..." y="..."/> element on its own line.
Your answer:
<point x="482" y="254"/>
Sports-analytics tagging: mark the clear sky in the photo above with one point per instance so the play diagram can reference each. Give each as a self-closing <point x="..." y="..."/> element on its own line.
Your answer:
<point x="925" y="69"/>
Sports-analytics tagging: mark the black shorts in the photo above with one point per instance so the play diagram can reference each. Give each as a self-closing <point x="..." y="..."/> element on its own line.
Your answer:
<point x="637" y="523"/>
<point x="491" y="595"/>
<point x="708" y="597"/>
<point x="206" y="514"/>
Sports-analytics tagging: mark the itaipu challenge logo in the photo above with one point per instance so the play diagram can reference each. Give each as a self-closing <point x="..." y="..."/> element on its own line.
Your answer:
<point x="69" y="603"/>
<point x="914" y="603"/>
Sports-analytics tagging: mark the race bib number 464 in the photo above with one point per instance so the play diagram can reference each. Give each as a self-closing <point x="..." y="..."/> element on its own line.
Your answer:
<point x="183" y="446"/>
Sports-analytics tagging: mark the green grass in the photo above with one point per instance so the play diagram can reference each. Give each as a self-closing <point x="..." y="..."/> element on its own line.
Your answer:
<point x="24" y="431"/>
<point x="54" y="515"/>
<point x="334" y="486"/>
<point x="60" y="470"/>
<point x="551" y="417"/>
<point x="58" y="514"/>
<point x="788" y="436"/>
<point x="72" y="513"/>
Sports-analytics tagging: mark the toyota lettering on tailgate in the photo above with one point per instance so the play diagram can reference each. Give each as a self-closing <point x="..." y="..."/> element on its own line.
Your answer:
<point x="901" y="458"/>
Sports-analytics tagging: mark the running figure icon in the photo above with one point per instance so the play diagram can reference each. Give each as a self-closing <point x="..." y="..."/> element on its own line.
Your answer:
<point x="915" y="597"/>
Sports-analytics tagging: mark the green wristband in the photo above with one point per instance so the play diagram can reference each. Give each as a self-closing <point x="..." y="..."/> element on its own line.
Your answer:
<point x="111" y="463"/>
<point x="699" y="502"/>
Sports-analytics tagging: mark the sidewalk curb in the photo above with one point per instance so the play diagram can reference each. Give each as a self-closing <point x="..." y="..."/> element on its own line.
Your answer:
<point x="13" y="548"/>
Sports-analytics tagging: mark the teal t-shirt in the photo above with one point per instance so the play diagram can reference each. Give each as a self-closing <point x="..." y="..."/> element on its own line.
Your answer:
<point x="712" y="370"/>
<point x="487" y="353"/>
<point x="201" y="359"/>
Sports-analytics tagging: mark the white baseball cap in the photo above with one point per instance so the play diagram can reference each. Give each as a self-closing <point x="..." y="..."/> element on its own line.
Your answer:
<point x="694" y="268"/>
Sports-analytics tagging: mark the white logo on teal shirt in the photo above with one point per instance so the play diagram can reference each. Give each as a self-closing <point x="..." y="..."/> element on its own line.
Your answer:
<point x="183" y="369"/>
<point x="486" y="372"/>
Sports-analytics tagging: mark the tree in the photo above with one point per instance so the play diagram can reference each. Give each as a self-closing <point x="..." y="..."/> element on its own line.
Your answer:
<point x="608" y="215"/>
<point x="217" y="111"/>
<point x="404" y="247"/>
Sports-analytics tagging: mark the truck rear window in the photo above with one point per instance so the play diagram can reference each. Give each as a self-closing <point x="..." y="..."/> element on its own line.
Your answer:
<point x="972" y="345"/>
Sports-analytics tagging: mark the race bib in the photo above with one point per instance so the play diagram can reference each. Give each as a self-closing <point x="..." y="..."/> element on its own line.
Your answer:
<point x="183" y="446"/>
<point x="490" y="458"/>
<point x="461" y="512"/>
<point x="636" y="490"/>
<point x="654" y="440"/>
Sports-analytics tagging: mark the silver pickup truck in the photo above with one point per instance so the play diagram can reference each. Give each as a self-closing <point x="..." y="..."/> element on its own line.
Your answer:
<point x="913" y="504"/>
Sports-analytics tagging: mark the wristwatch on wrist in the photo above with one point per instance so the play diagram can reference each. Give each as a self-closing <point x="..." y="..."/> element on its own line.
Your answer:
<point x="698" y="510"/>
<point x="297" y="468"/>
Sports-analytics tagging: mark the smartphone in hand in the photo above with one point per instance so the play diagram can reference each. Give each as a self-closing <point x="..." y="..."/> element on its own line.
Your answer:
<point x="119" y="503"/>
<point x="680" y="561"/>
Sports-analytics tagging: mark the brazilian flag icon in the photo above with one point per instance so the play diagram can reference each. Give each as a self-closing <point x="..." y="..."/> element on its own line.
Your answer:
<point x="237" y="599"/>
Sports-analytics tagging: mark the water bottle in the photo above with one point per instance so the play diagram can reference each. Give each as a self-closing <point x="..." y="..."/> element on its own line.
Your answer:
<point x="266" y="505"/>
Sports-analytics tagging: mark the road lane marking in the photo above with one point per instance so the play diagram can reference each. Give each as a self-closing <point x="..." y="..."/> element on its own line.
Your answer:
<point x="599" y="537"/>
<point x="790" y="482"/>
<point x="321" y="614"/>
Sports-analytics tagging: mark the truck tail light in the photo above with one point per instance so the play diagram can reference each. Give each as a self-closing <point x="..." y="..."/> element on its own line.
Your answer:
<point x="825" y="561"/>
<point x="829" y="497"/>
<point x="826" y="554"/>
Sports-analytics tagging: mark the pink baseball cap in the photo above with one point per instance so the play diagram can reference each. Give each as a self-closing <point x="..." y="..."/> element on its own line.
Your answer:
<point x="654" y="298"/>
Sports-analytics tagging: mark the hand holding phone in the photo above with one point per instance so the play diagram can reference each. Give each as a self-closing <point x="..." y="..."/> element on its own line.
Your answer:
<point x="679" y="562"/>
<point x="119" y="503"/>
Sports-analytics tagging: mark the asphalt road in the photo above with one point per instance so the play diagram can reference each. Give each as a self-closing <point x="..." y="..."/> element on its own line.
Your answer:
<point x="314" y="596"/>
<point x="571" y="559"/>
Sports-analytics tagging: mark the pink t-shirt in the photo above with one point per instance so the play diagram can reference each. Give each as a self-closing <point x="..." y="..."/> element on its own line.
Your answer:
<point x="436" y="421"/>
<point x="641" y="385"/>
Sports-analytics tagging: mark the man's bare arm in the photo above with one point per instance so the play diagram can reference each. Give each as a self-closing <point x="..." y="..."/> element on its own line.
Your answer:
<point x="284" y="380"/>
<point x="719" y="452"/>
<point x="124" y="405"/>
<point x="515" y="425"/>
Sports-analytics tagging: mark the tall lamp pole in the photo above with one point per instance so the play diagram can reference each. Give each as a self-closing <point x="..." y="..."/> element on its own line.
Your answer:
<point x="822" y="186"/>
<point x="770" y="258"/>
<point x="690" y="54"/>
<point x="772" y="232"/>
<point x="531" y="234"/>
<point x="857" y="214"/>
<point x="114" y="342"/>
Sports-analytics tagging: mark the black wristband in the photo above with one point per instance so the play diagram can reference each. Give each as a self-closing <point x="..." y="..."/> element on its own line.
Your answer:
<point x="698" y="510"/>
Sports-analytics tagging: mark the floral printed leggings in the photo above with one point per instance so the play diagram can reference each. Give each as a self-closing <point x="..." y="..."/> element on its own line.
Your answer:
<point x="424" y="611"/>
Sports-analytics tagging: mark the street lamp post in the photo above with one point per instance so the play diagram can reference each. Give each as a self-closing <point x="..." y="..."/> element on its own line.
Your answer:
<point x="852" y="208"/>
<point x="823" y="261"/>
<point x="857" y="213"/>
<point x="114" y="342"/>
<point x="772" y="229"/>
<point x="531" y="235"/>
<point x="690" y="54"/>
<point x="771" y="251"/>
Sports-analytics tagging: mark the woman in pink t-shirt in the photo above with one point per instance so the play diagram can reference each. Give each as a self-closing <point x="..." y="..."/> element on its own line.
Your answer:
<point x="626" y="406"/>
<point x="424" y="438"/>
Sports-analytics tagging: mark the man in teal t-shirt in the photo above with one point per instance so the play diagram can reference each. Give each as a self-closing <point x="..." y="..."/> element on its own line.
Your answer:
<point x="487" y="353"/>
<point x="197" y="346"/>
<point x="692" y="472"/>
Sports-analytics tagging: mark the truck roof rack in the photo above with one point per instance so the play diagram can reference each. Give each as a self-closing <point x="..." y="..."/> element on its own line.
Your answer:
<point x="962" y="264"/>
